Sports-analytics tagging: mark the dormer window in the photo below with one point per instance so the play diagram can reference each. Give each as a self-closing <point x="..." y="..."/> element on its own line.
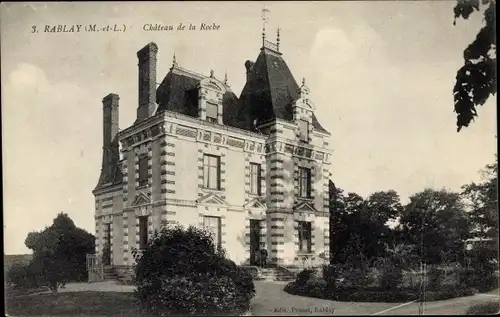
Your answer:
<point x="304" y="130"/>
<point x="211" y="92"/>
<point x="212" y="112"/>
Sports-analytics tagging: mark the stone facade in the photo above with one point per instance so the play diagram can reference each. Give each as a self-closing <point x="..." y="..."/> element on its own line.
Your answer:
<point x="262" y="187"/>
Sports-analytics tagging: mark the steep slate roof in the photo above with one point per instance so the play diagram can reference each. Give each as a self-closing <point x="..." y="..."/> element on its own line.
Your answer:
<point x="230" y="105"/>
<point x="268" y="94"/>
<point x="178" y="93"/>
<point x="270" y="91"/>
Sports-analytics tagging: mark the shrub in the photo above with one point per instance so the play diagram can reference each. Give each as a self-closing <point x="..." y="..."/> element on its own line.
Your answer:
<point x="201" y="294"/>
<point x="291" y="288"/>
<point x="189" y="258"/>
<point x="241" y="278"/>
<point x="331" y="274"/>
<point x="252" y="270"/>
<point x="487" y="283"/>
<point x="482" y="280"/>
<point x="392" y="277"/>
<point x="447" y="292"/>
<point x="304" y="276"/>
<point x="388" y="296"/>
<point x="489" y="308"/>
<point x="22" y="276"/>
<point x="51" y="271"/>
<point x="318" y="289"/>
<point x="466" y="276"/>
<point x="436" y="278"/>
<point x="356" y="277"/>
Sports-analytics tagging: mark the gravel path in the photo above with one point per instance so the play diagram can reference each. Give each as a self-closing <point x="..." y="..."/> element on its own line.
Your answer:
<point x="271" y="300"/>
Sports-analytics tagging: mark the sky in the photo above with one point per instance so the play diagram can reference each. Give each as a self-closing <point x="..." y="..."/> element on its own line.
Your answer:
<point x="381" y="76"/>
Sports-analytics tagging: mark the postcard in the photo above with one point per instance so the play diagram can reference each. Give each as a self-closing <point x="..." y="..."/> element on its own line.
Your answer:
<point x="249" y="158"/>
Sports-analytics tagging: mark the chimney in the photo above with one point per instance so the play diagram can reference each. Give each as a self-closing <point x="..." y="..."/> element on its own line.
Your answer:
<point x="147" y="81"/>
<point x="249" y="67"/>
<point x="110" y="115"/>
<point x="111" y="154"/>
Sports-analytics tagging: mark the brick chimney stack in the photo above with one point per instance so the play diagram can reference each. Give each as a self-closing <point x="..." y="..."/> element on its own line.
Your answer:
<point x="110" y="105"/>
<point x="147" y="81"/>
<point x="110" y="146"/>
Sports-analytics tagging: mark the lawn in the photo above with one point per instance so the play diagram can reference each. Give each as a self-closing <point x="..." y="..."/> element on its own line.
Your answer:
<point x="74" y="304"/>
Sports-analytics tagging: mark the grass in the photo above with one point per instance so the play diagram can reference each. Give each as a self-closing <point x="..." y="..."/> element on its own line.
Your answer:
<point x="74" y="304"/>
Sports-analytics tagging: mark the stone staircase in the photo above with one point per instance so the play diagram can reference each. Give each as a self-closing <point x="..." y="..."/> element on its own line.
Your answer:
<point x="274" y="274"/>
<point x="109" y="274"/>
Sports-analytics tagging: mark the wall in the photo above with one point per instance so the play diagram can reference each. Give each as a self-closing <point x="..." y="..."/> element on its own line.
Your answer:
<point x="117" y="248"/>
<point x="183" y="215"/>
<point x="108" y="203"/>
<point x="129" y="237"/>
<point x="322" y="235"/>
<point x="235" y="177"/>
<point x="284" y="155"/>
<point x="186" y="164"/>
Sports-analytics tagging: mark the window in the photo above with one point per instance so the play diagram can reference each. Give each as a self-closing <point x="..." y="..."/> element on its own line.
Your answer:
<point x="305" y="236"/>
<point x="255" y="179"/>
<point x="143" y="170"/>
<point x="212" y="225"/>
<point x="211" y="171"/>
<point x="304" y="130"/>
<point x="212" y="112"/>
<point x="304" y="182"/>
<point x="143" y="232"/>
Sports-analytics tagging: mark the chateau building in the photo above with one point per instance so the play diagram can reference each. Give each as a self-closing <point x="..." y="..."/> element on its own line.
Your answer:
<point x="252" y="170"/>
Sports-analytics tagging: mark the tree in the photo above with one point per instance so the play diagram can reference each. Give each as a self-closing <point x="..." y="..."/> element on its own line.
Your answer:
<point x="436" y="221"/>
<point x="337" y="213"/>
<point x="343" y="211"/>
<point x="356" y="221"/>
<point x="482" y="200"/>
<point x="476" y="80"/>
<point x="59" y="251"/>
<point x="383" y="207"/>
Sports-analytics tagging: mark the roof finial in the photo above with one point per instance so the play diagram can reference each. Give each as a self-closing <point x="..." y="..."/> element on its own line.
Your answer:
<point x="278" y="40"/>
<point x="225" y="78"/>
<point x="212" y="73"/>
<point x="174" y="62"/>
<point x="264" y="20"/>
<point x="303" y="81"/>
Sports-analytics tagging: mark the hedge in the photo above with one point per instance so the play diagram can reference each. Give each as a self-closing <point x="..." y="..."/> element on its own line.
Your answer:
<point x="319" y="289"/>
